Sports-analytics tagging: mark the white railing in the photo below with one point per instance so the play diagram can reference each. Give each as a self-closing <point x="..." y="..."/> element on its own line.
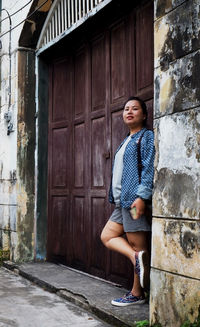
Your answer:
<point x="65" y="14"/>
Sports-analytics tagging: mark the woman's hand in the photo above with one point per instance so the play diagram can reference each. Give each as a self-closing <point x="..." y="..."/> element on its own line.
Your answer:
<point x="139" y="204"/>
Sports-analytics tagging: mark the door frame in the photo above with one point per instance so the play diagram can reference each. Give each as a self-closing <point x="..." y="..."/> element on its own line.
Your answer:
<point x="41" y="151"/>
<point x="41" y="158"/>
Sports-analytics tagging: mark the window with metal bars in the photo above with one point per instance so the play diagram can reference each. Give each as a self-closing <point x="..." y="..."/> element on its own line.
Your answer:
<point x="63" y="15"/>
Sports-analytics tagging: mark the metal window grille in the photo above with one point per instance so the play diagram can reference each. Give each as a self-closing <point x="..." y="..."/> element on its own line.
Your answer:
<point x="63" y="15"/>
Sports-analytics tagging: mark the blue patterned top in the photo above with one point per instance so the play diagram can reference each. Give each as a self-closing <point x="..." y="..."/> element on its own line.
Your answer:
<point x="131" y="189"/>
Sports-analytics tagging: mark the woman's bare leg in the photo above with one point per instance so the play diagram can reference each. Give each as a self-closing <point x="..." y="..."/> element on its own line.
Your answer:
<point x="111" y="237"/>
<point x="138" y="242"/>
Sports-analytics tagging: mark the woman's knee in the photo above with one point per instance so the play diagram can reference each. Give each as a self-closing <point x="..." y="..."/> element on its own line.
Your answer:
<point x="105" y="236"/>
<point x="111" y="230"/>
<point x="103" y="239"/>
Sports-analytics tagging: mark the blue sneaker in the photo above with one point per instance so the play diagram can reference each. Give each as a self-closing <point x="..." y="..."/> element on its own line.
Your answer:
<point x="142" y="268"/>
<point x="128" y="299"/>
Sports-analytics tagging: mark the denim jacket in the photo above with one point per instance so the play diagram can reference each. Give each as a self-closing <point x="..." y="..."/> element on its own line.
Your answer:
<point x="131" y="188"/>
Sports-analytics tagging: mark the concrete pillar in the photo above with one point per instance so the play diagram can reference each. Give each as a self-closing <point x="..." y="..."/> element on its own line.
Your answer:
<point x="175" y="274"/>
<point x="25" y="155"/>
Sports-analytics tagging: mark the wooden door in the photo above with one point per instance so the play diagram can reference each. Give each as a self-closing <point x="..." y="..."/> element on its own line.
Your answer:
<point x="87" y="91"/>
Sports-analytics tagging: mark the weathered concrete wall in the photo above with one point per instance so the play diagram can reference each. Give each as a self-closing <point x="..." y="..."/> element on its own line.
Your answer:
<point x="8" y="144"/>
<point x="175" y="276"/>
<point x="174" y="298"/>
<point x="17" y="150"/>
<point x="26" y="155"/>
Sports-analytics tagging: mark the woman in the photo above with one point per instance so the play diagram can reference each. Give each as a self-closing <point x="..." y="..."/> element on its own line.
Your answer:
<point x="130" y="192"/>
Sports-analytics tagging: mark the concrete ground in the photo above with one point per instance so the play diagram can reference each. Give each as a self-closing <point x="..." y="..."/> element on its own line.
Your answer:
<point x="23" y="304"/>
<point x="85" y="291"/>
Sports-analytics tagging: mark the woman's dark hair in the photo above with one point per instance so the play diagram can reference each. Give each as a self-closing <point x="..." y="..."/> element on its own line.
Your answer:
<point x="143" y="106"/>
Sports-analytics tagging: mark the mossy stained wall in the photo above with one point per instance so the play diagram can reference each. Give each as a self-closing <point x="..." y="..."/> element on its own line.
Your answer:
<point x="26" y="155"/>
<point x="175" y="274"/>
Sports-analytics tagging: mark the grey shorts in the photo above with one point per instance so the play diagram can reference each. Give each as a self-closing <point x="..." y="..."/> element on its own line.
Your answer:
<point x="122" y="216"/>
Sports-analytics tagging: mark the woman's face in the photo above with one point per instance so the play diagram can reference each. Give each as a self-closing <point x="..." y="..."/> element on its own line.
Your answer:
<point x="133" y="115"/>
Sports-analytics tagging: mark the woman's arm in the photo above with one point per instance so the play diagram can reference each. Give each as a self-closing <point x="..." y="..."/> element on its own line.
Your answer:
<point x="144" y="191"/>
<point x="147" y="151"/>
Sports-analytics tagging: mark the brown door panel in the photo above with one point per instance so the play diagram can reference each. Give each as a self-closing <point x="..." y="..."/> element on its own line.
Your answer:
<point x="87" y="90"/>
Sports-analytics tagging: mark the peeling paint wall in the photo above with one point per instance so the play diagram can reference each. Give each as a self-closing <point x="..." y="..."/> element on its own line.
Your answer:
<point x="8" y="146"/>
<point x="26" y="155"/>
<point x="17" y="149"/>
<point x="175" y="274"/>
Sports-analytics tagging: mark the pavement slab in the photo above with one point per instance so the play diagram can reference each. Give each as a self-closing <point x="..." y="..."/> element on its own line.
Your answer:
<point x="86" y="291"/>
<point x="24" y="304"/>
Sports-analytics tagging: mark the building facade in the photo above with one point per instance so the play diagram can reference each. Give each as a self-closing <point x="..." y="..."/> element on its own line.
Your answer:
<point x="66" y="69"/>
